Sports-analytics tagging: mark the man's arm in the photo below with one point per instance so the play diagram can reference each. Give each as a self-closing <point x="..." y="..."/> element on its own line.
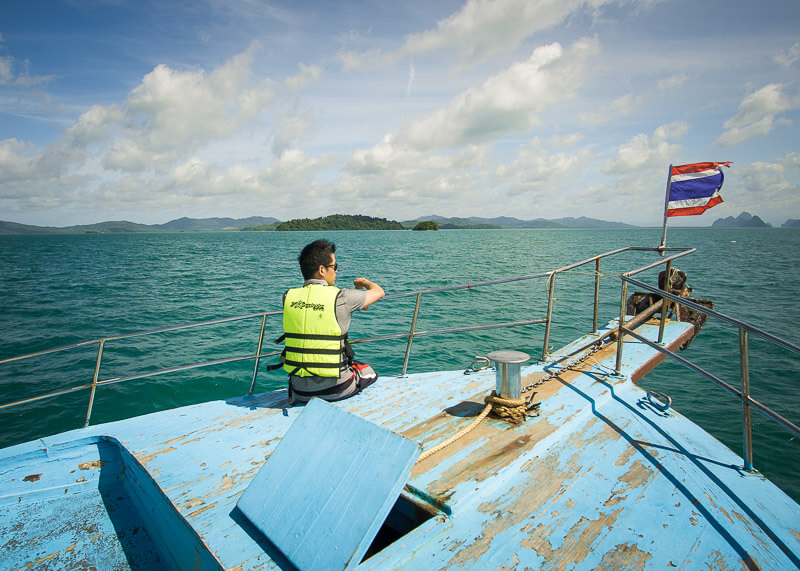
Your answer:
<point x="374" y="291"/>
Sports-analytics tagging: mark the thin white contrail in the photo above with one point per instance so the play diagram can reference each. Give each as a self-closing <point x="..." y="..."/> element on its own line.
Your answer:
<point x="411" y="74"/>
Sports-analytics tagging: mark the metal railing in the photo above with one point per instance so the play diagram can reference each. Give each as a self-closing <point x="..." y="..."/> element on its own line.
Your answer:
<point x="92" y="387"/>
<point x="744" y="361"/>
<point x="413" y="333"/>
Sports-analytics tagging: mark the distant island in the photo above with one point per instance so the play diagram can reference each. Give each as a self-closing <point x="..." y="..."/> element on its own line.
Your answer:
<point x="334" y="222"/>
<point x="426" y="225"/>
<point x="744" y="220"/>
<point x="349" y="222"/>
<point x="508" y="222"/>
<point x="339" y="222"/>
<point x="215" y="224"/>
<point x="114" y="227"/>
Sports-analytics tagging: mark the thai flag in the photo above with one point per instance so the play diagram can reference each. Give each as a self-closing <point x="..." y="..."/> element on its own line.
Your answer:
<point x="694" y="188"/>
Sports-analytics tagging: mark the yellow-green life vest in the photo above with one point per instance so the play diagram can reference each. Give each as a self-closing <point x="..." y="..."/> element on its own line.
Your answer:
<point x="313" y="339"/>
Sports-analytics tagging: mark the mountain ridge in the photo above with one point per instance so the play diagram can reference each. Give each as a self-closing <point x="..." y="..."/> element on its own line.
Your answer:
<point x="118" y="226"/>
<point x="185" y="224"/>
<point x="744" y="220"/>
<point x="510" y="222"/>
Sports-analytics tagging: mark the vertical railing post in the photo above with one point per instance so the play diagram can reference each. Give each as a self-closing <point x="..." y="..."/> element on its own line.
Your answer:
<point x="747" y="425"/>
<point x="665" y="303"/>
<point x="411" y="336"/>
<point x="550" y="291"/>
<point x="596" y="293"/>
<point x="258" y="354"/>
<point x="94" y="383"/>
<point x="622" y="304"/>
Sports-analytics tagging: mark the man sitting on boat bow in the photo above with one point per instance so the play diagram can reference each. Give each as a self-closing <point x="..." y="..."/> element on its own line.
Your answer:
<point x="316" y="319"/>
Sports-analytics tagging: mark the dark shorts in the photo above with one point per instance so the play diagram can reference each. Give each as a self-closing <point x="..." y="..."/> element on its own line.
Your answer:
<point x="363" y="376"/>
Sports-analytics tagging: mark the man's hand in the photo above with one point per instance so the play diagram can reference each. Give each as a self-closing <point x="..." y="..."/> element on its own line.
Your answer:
<point x="374" y="291"/>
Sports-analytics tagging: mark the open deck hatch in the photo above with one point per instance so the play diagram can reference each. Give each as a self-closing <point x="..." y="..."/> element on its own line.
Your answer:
<point x="324" y="492"/>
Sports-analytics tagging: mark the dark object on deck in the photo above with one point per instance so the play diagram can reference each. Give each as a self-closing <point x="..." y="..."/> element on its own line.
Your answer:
<point x="639" y="302"/>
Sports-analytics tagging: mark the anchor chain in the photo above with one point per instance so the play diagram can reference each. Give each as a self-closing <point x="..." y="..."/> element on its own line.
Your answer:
<point x="571" y="367"/>
<point x="531" y="408"/>
<point x="515" y="411"/>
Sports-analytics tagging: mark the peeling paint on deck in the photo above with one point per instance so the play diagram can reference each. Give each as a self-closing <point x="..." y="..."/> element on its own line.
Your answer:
<point x="596" y="481"/>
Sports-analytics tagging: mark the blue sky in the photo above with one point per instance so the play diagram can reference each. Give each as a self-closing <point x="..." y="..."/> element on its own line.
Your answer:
<point x="151" y="110"/>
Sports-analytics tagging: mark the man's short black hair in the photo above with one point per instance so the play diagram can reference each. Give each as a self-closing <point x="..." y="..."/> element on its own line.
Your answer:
<point x="317" y="253"/>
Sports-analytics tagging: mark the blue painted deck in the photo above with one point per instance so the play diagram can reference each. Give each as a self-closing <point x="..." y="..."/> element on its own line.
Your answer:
<point x="599" y="480"/>
<point x="89" y="504"/>
<point x="335" y="476"/>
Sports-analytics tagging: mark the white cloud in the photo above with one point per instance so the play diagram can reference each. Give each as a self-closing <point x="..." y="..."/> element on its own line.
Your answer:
<point x="195" y="184"/>
<point x="169" y="116"/>
<point x="674" y="130"/>
<point x="5" y="69"/>
<point x="566" y="141"/>
<point x="289" y="130"/>
<point x="126" y="156"/>
<point x="642" y="152"/>
<point x="535" y="169"/>
<point x="758" y="115"/>
<point x="295" y="169"/>
<point x="508" y="102"/>
<point x="788" y="57"/>
<point x="504" y="138"/>
<point x="16" y="162"/>
<point x="764" y="179"/>
<point x="673" y="82"/>
<point x="381" y="158"/>
<point x="172" y="113"/>
<point x="149" y="147"/>
<point x="790" y="161"/>
<point x="94" y="125"/>
<point x="620" y="107"/>
<point x="480" y="30"/>
<point x="484" y="28"/>
<point x="351" y="59"/>
<point x="394" y="180"/>
<point x="23" y="78"/>
<point x="308" y="74"/>
<point x="765" y="189"/>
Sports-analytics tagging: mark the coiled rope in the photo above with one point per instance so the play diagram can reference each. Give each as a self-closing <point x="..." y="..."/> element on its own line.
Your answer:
<point x="514" y="410"/>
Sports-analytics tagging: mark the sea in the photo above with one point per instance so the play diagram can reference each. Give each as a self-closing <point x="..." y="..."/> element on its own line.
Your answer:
<point x="64" y="289"/>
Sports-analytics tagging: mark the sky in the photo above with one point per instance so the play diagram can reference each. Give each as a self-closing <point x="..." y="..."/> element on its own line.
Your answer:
<point x="153" y="110"/>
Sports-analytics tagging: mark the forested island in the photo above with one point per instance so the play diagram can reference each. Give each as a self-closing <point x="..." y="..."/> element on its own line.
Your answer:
<point x="340" y="222"/>
<point x="345" y="222"/>
<point x="426" y="225"/>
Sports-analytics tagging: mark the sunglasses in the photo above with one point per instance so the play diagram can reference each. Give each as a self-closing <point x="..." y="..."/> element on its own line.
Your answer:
<point x="334" y="266"/>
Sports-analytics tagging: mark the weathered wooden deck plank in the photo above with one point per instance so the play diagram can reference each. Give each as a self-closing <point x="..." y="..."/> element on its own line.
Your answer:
<point x="600" y="478"/>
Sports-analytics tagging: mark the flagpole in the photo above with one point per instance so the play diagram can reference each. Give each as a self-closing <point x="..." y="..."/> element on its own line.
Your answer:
<point x="663" y="245"/>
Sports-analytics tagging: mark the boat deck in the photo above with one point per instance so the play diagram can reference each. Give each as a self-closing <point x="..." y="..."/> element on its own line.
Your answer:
<point x="601" y="478"/>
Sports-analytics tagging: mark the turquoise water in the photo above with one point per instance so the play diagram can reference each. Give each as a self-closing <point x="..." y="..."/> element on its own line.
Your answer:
<point x="63" y="289"/>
